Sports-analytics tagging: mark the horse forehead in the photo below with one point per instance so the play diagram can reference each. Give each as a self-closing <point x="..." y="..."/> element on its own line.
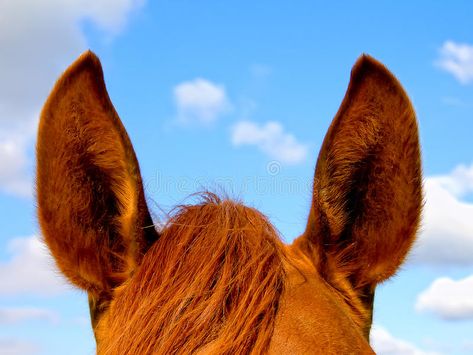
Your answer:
<point x="311" y="316"/>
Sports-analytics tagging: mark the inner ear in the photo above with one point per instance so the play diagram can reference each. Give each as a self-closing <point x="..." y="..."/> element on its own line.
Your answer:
<point x="367" y="188"/>
<point x="91" y="203"/>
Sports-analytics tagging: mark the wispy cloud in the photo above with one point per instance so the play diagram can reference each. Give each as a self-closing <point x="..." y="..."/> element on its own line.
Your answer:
<point x="38" y="40"/>
<point x="386" y="344"/>
<point x="454" y="102"/>
<point x="16" y="138"/>
<point x="14" y="177"/>
<point x="11" y="346"/>
<point x="457" y="59"/>
<point x="30" y="270"/>
<point x="448" y="299"/>
<point x="21" y="314"/>
<point x="271" y="139"/>
<point x="200" y="101"/>
<point x="260" y="71"/>
<point x="459" y="182"/>
<point x="446" y="236"/>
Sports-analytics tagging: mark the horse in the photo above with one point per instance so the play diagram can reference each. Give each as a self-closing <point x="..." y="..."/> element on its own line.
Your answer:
<point x="216" y="277"/>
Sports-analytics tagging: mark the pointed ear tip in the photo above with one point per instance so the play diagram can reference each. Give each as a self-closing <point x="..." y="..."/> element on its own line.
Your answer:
<point x="89" y="57"/>
<point x="86" y="61"/>
<point x="368" y="67"/>
<point x="368" y="64"/>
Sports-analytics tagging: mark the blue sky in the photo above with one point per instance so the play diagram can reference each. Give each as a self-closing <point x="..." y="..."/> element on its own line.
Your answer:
<point x="239" y="95"/>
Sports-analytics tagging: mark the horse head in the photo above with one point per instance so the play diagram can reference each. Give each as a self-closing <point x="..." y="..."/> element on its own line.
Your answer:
<point x="216" y="278"/>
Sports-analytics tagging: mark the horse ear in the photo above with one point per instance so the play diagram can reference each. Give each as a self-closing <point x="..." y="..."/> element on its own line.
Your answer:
<point x="367" y="195"/>
<point x="91" y="204"/>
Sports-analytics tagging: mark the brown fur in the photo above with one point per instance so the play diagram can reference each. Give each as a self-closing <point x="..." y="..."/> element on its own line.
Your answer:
<point x="217" y="279"/>
<point x="216" y="261"/>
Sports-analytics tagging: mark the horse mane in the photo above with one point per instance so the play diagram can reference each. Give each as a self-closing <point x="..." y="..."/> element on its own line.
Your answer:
<point x="210" y="283"/>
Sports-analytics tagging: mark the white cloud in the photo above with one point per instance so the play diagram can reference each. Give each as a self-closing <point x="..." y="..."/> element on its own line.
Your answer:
<point x="30" y="270"/>
<point x="271" y="139"/>
<point x="17" y="315"/>
<point x="467" y="346"/>
<point x="459" y="182"/>
<point x="457" y="59"/>
<point x="9" y="346"/>
<point x="38" y="40"/>
<point x="110" y="15"/>
<point x="200" y="101"/>
<point x="446" y="237"/>
<point x="448" y="299"/>
<point x="385" y="344"/>
<point x="14" y="164"/>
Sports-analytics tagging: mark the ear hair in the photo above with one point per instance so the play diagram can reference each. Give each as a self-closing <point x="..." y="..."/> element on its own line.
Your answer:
<point x="367" y="194"/>
<point x="91" y="203"/>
